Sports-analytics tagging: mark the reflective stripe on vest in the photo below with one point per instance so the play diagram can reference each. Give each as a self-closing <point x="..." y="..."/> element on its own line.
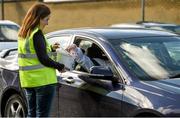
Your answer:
<point x="31" y="72"/>
<point x="27" y="46"/>
<point x="25" y="68"/>
<point x="30" y="56"/>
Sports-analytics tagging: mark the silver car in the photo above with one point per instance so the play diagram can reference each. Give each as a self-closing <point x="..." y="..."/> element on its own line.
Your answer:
<point x="8" y="34"/>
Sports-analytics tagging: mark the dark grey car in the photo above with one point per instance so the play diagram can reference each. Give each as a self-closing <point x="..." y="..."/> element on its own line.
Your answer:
<point x="136" y="73"/>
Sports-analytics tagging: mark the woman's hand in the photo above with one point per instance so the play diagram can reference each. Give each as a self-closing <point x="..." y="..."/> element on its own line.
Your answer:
<point x="55" y="46"/>
<point x="63" y="70"/>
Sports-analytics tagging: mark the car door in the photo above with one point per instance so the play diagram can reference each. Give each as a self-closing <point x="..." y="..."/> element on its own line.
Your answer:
<point x="63" y="40"/>
<point x="89" y="96"/>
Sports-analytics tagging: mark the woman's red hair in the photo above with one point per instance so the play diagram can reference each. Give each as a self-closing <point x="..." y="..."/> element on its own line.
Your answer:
<point x="32" y="19"/>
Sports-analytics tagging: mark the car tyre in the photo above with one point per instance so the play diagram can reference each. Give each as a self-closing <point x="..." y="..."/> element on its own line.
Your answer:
<point x="15" y="107"/>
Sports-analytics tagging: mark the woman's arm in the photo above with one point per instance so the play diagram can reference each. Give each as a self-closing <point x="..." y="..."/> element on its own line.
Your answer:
<point x="40" y="48"/>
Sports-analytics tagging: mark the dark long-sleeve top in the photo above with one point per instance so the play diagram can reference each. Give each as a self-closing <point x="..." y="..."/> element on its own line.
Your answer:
<point x="40" y="48"/>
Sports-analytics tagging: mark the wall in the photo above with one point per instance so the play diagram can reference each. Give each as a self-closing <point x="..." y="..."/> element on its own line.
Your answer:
<point x="104" y="13"/>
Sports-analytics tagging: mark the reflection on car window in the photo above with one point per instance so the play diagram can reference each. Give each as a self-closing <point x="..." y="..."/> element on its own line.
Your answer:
<point x="155" y="57"/>
<point x="62" y="54"/>
<point x="174" y="51"/>
<point x="8" y="32"/>
<point x="144" y="58"/>
<point x="62" y="40"/>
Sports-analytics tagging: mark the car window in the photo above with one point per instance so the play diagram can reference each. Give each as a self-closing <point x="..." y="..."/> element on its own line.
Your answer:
<point x="174" y="51"/>
<point x="8" y="32"/>
<point x="92" y="51"/>
<point x="62" y="40"/>
<point x="62" y="55"/>
<point x="85" y="45"/>
<point x="177" y="30"/>
<point x="150" y="58"/>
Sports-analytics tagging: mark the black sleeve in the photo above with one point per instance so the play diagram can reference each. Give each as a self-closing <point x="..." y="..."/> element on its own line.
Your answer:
<point x="40" y="48"/>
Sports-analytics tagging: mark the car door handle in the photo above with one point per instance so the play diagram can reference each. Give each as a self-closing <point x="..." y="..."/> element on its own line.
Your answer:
<point x="69" y="80"/>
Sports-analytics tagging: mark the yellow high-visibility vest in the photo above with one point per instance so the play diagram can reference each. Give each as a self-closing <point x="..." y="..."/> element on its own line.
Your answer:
<point x="32" y="72"/>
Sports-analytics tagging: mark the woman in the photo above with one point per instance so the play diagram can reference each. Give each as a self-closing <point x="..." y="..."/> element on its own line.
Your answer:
<point x="36" y="65"/>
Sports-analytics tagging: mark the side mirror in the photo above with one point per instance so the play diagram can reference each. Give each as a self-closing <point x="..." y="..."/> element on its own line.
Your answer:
<point x="101" y="71"/>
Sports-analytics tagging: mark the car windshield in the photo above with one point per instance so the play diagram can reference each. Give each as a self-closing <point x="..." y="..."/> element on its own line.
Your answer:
<point x="151" y="57"/>
<point x="175" y="29"/>
<point x="8" y="32"/>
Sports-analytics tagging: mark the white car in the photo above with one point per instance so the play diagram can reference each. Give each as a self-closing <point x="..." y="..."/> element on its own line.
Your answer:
<point x="127" y="25"/>
<point x="175" y="28"/>
<point x="8" y="34"/>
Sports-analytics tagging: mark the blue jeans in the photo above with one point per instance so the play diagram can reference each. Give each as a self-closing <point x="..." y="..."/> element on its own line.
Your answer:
<point x="39" y="100"/>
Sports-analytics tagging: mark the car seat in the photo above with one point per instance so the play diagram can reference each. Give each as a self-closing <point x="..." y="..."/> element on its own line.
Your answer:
<point x="95" y="52"/>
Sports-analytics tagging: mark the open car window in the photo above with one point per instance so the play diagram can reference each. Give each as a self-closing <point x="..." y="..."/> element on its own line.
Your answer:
<point x="93" y="53"/>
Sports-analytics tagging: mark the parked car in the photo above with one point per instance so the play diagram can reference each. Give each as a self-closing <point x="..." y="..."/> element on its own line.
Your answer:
<point x="152" y="25"/>
<point x="8" y="34"/>
<point x="140" y="75"/>
<point x="159" y="25"/>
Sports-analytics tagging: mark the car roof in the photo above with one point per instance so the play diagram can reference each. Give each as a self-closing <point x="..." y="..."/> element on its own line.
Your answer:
<point x="8" y="22"/>
<point x="112" y="32"/>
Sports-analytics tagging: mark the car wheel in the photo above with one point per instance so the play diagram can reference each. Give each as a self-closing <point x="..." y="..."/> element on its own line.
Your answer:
<point x="15" y="107"/>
